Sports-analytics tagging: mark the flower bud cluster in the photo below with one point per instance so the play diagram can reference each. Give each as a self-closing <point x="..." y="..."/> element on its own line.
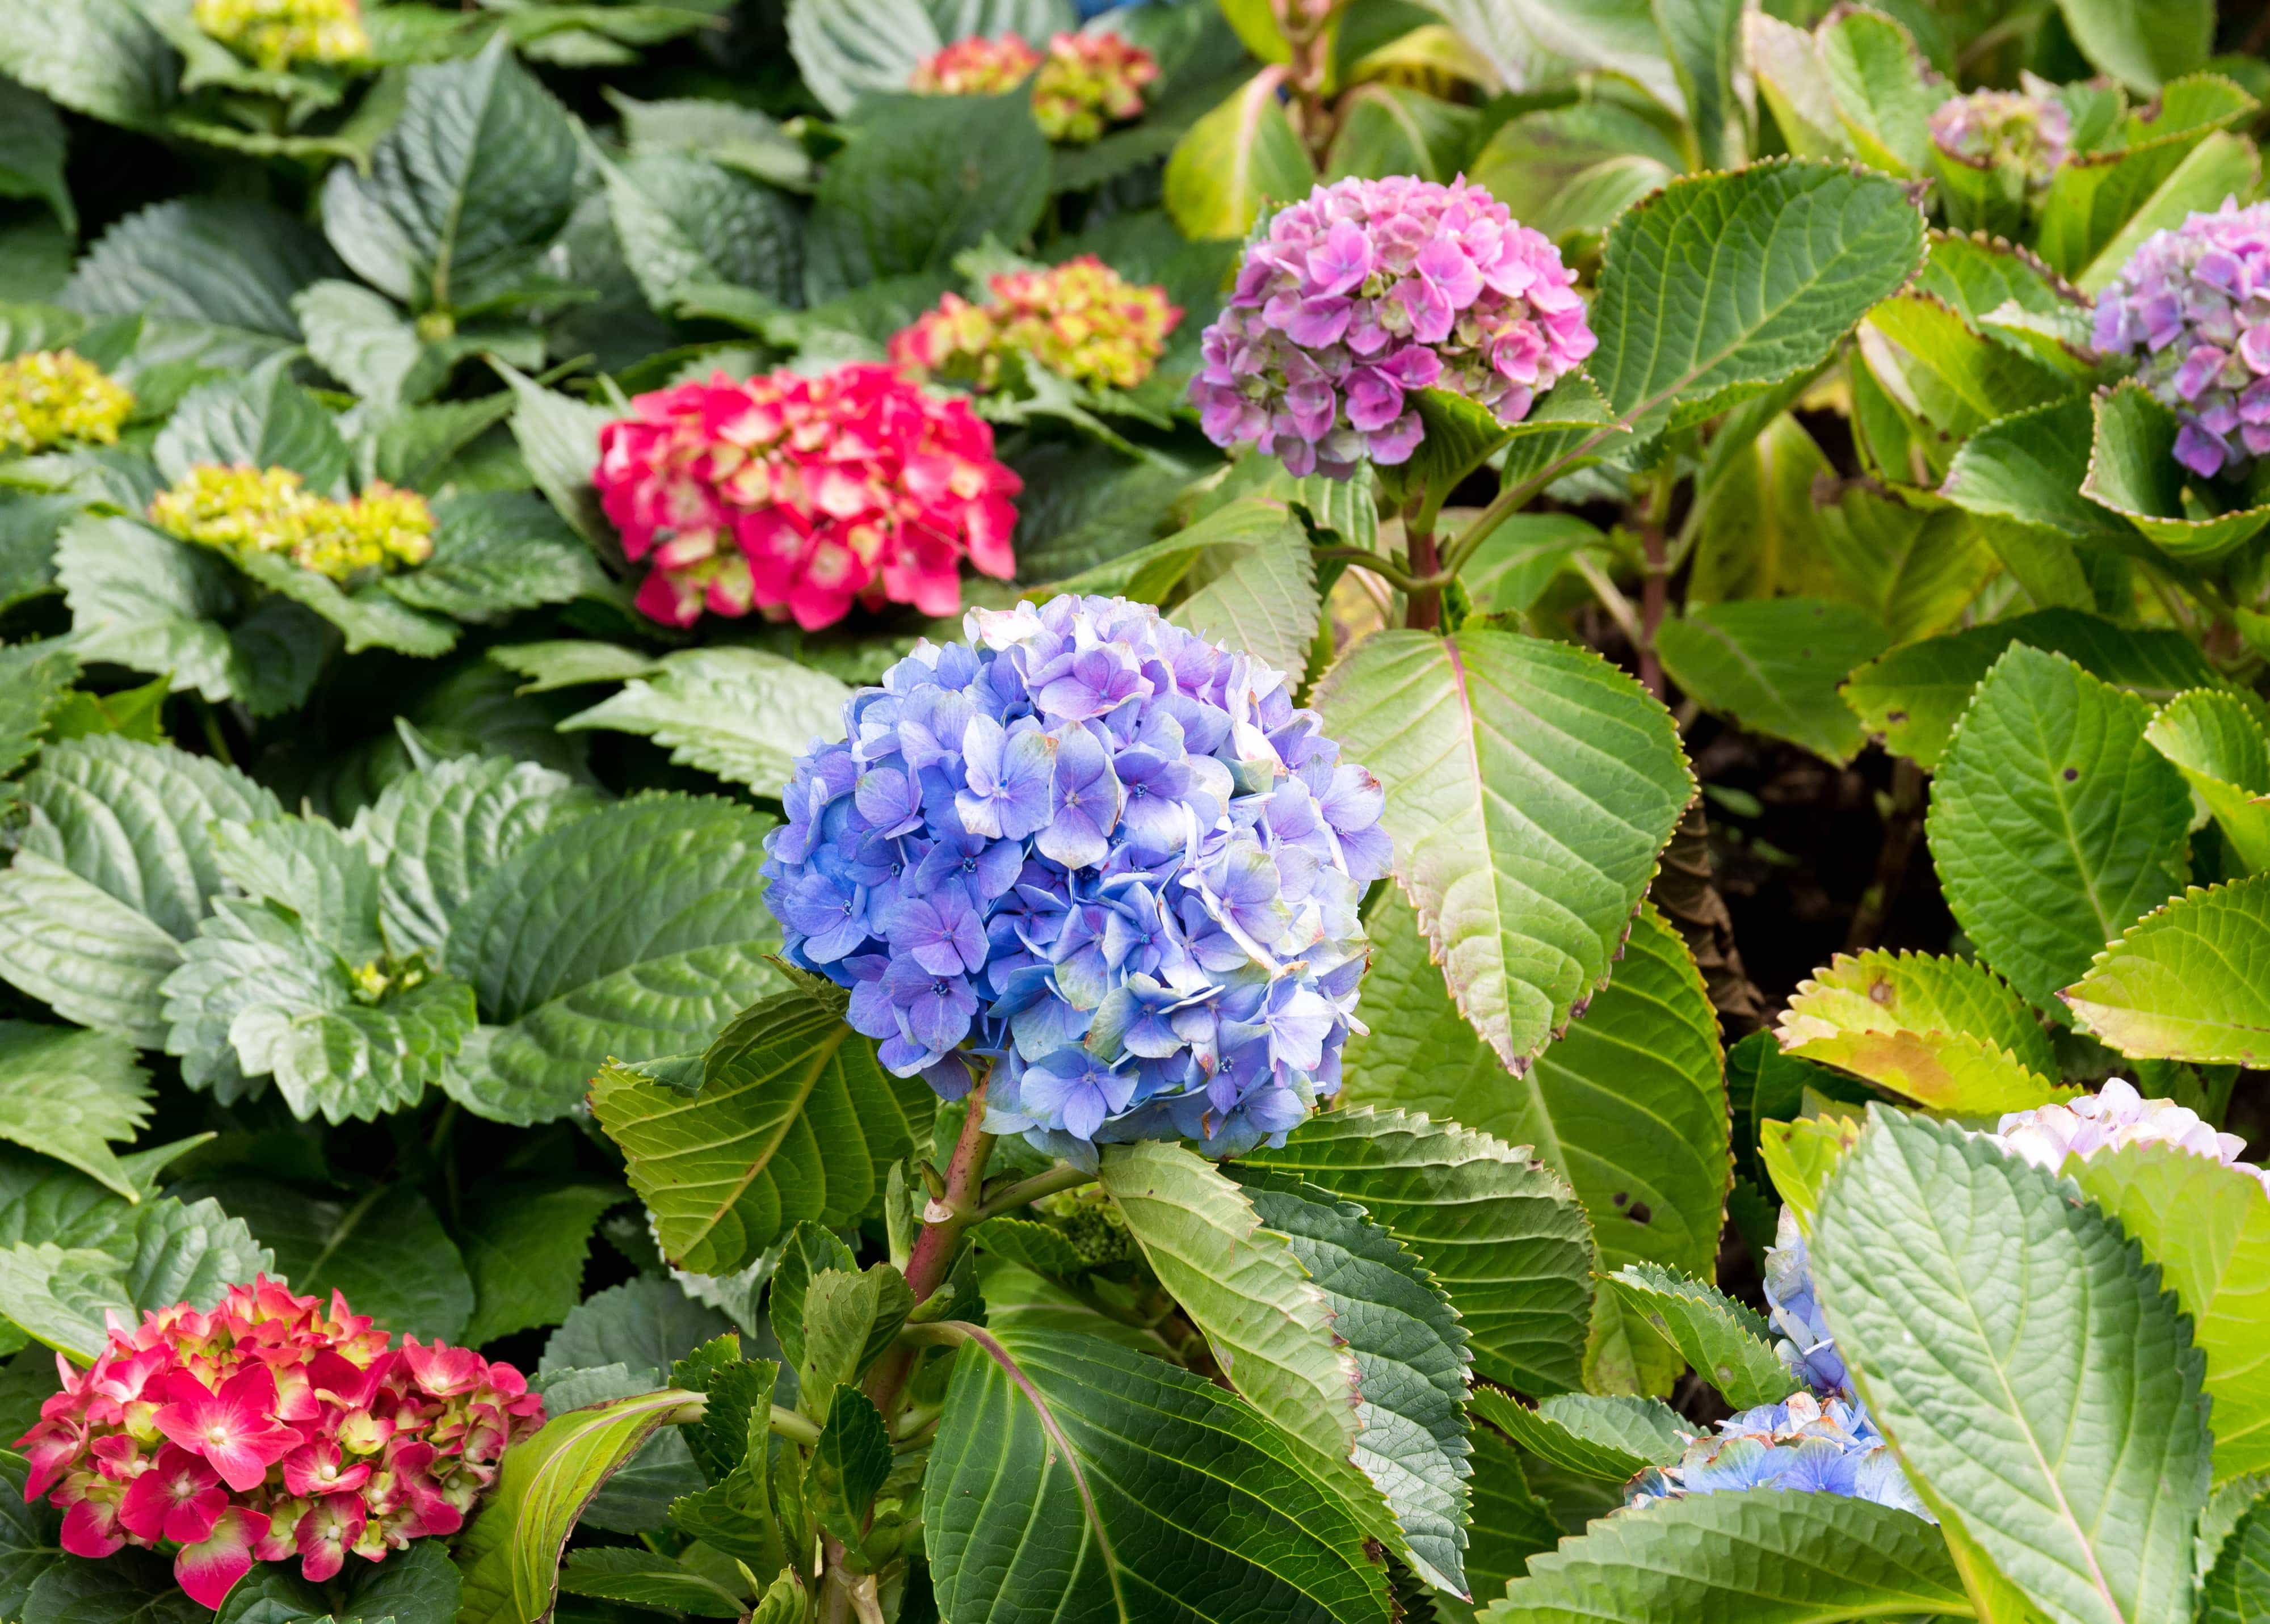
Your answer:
<point x="243" y="509"/>
<point x="49" y="395"/>
<point x="1370" y="291"/>
<point x="276" y="34"/>
<point x="1100" y="852"/>
<point x="2026" y="136"/>
<point x="804" y="495"/>
<point x="1081" y="320"/>
<point x="1084" y="81"/>
<point x="268" y="1428"/>
<point x="2193" y="306"/>
<point x="2114" y="1115"/>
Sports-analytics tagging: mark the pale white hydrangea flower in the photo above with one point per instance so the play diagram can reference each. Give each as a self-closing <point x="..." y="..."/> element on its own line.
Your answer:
<point x="2114" y="1115"/>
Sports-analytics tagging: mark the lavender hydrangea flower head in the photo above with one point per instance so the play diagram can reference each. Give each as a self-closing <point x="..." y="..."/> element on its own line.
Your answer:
<point x="2026" y="136"/>
<point x="2192" y="305"/>
<point x="1370" y="291"/>
<point x="1100" y="852"/>
<point x="2114" y="1115"/>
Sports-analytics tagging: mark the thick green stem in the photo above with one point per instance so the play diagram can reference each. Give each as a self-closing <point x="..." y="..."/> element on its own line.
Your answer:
<point x="1025" y="1191"/>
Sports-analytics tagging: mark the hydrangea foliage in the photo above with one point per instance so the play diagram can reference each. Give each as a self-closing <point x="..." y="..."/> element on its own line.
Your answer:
<point x="50" y="395"/>
<point x="2192" y="306"/>
<point x="245" y="510"/>
<point x="1370" y="291"/>
<point x="1105" y="855"/>
<point x="1082" y="320"/>
<point x="2114" y="1115"/>
<point x="1081" y="83"/>
<point x="2024" y="135"/>
<point x="801" y="496"/>
<point x="276" y="33"/>
<point x="268" y="1428"/>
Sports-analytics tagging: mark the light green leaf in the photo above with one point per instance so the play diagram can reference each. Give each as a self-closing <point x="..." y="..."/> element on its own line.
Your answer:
<point x="1764" y="1557"/>
<point x="1261" y="598"/>
<point x="385" y="1248"/>
<point x="643" y="1579"/>
<point x="217" y="271"/>
<point x="1609" y="1437"/>
<point x="1883" y="89"/>
<point x="739" y="713"/>
<point x="1528" y="42"/>
<point x="67" y="1095"/>
<point x="2189" y="980"/>
<point x="1503" y="1235"/>
<point x="1530" y="787"/>
<point x="2217" y="744"/>
<point x="364" y="340"/>
<point x="572" y="662"/>
<point x="496" y="553"/>
<point x="2094" y="195"/>
<point x="849" y="1464"/>
<point x="524" y="1245"/>
<point x="849" y="49"/>
<point x="2053" y="824"/>
<point x="306" y="867"/>
<point x="167" y="1252"/>
<point x="2207" y="1227"/>
<point x="2041" y="1389"/>
<point x="1916" y="569"/>
<point x="2028" y="467"/>
<point x="559" y="439"/>
<point x="263" y="420"/>
<point x="1799" y="1157"/>
<point x="1704" y="39"/>
<point x="367" y="614"/>
<point x="1930" y="360"/>
<point x="1729" y="1345"/>
<point x="795" y="1121"/>
<point x="1462" y="434"/>
<point x="1569" y="171"/>
<point x="2143" y="49"/>
<point x="1721" y="284"/>
<point x="1774" y="665"/>
<point x="685" y="222"/>
<point x="1388" y="128"/>
<point x="88" y="956"/>
<point x="1240" y="158"/>
<point x="1512" y="1523"/>
<point x="511" y="1556"/>
<point x="101" y="58"/>
<point x="2133" y="471"/>
<point x="1070" y="1477"/>
<point x="850" y="1320"/>
<point x="2222" y="165"/>
<point x="1795" y="86"/>
<point x="1948" y="1033"/>
<point x="725" y="132"/>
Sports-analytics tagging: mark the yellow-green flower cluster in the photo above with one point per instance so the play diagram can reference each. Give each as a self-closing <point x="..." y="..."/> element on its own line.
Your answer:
<point x="276" y="34"/>
<point x="49" y="395"/>
<point x="244" y="510"/>
<point x="1081" y="320"/>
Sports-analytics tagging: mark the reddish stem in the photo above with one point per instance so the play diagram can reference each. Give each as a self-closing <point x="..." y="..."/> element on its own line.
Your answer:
<point x="1423" y="612"/>
<point x="944" y="1220"/>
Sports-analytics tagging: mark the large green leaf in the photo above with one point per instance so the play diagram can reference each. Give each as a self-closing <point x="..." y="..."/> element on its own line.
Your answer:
<point x="385" y="1248"/>
<point x="524" y="1245"/>
<point x="101" y="58"/>
<point x="29" y="1534"/>
<point x="1884" y="91"/>
<point x="2238" y="1589"/>
<point x="263" y="420"/>
<point x="739" y="713"/>
<point x="1611" y="1436"/>
<point x="1629" y="1106"/>
<point x="1530" y="787"/>
<point x="646" y="1325"/>
<point x="165" y="1252"/>
<point x="472" y="181"/>
<point x="497" y="552"/>
<point x="511" y="1556"/>
<point x="2142" y="48"/>
<point x="2207" y="1227"/>
<point x="1503" y="1235"/>
<point x="1079" y="1483"/>
<point x="2133" y="471"/>
<point x="1763" y="1557"/>
<point x="2041" y="1388"/>
<point x="1728" y="1345"/>
<point x="1720" y="284"/>
<point x="794" y="1121"/>
<point x="1239" y="158"/>
<point x="67" y="1095"/>
<point x="725" y="132"/>
<point x="1938" y="368"/>
<point x="1915" y="569"/>
<point x="1774" y="665"/>
<point x="848" y="50"/>
<point x="686" y="223"/>
<point x="2189" y="980"/>
<point x="2217" y="743"/>
<point x="2028" y="467"/>
<point x="2053" y="823"/>
<point x="1569" y="171"/>
<point x="1528" y="42"/>
<point x="217" y="271"/>
<point x="1260" y="598"/>
<point x="634" y="930"/>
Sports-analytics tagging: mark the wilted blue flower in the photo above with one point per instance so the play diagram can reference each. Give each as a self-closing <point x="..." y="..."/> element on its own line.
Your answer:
<point x="1104" y="854"/>
<point x="2192" y="305"/>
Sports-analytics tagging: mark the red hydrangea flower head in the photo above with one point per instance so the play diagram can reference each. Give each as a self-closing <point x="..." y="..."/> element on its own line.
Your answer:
<point x="268" y="1428"/>
<point x="800" y="495"/>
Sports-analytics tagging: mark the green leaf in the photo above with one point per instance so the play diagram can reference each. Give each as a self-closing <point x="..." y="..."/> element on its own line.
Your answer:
<point x="1611" y="1437"/>
<point x="263" y="420"/>
<point x="2207" y="1227"/>
<point x="2220" y="166"/>
<point x="1529" y="40"/>
<point x="1720" y="284"/>
<point x="643" y="1579"/>
<point x="1569" y="171"/>
<point x="476" y="176"/>
<point x="687" y="222"/>
<point x="2094" y="195"/>
<point x="850" y="1320"/>
<point x="32" y="135"/>
<point x="809" y="1250"/>
<point x="1704" y="39"/>
<point x="2029" y="467"/>
<point x="1462" y="434"/>
<point x="922" y="178"/>
<point x="1261" y="598"/>
<point x="1884" y="91"/>
<point x="2053" y="823"/>
<point x="29" y="1533"/>
<point x="368" y="615"/>
<point x="1396" y="130"/>
<point x="1913" y="695"/>
<point x="1069" y="1477"/>
<point x="2073" y="1448"/>
<point x="1765" y="1557"/>
<point x="131" y="1587"/>
<point x="571" y="662"/>
<point x="80" y="950"/>
<point x="1916" y="569"/>
<point x="849" y="1464"/>
<point x="511" y="1556"/>
<point x="1774" y="665"/>
<point x="559" y="439"/>
<point x="1627" y="1105"/>
<point x="1511" y="1523"/>
<point x="496" y="553"/>
<point x="645" y="1325"/>
<point x="636" y="929"/>
<point x="1948" y="1033"/>
<point x="1729" y="1345"/>
<point x="849" y="49"/>
<point x="524" y="1245"/>
<point x="1787" y="62"/>
<point x="2142" y="51"/>
<point x="167" y="1253"/>
<point x="1932" y="361"/>
<point x="741" y="713"/>
<point x="1503" y="1235"/>
<point x="2133" y="471"/>
<point x="67" y="1094"/>
<point x="1409" y="1353"/>
<point x="1237" y="160"/>
<point x="795" y="1121"/>
<point x="1799" y="1157"/>
<point x="2217" y="744"/>
<point x="2187" y="981"/>
<point x="102" y="58"/>
<point x="1529" y="788"/>
<point x="2237" y="1588"/>
<point x="725" y="132"/>
<point x="219" y="270"/>
<point x="363" y="339"/>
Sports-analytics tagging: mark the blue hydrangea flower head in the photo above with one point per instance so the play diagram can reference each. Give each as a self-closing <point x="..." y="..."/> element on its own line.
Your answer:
<point x="1104" y="855"/>
<point x="1805" y="1346"/>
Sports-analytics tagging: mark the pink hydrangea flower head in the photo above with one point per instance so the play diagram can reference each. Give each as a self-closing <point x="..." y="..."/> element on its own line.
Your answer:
<point x="800" y="496"/>
<point x="1366" y="292"/>
<point x="2114" y="1115"/>
<point x="1081" y="83"/>
<point x="2192" y="308"/>
<point x="1082" y="320"/>
<point x="267" y="1427"/>
<point x="976" y="67"/>
<point x="2027" y="136"/>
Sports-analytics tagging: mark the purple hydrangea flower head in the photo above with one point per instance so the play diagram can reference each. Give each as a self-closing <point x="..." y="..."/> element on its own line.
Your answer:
<point x="1369" y="291"/>
<point x="2114" y="1115"/>
<point x="2025" y="136"/>
<point x="1101" y="854"/>
<point x="2192" y="306"/>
